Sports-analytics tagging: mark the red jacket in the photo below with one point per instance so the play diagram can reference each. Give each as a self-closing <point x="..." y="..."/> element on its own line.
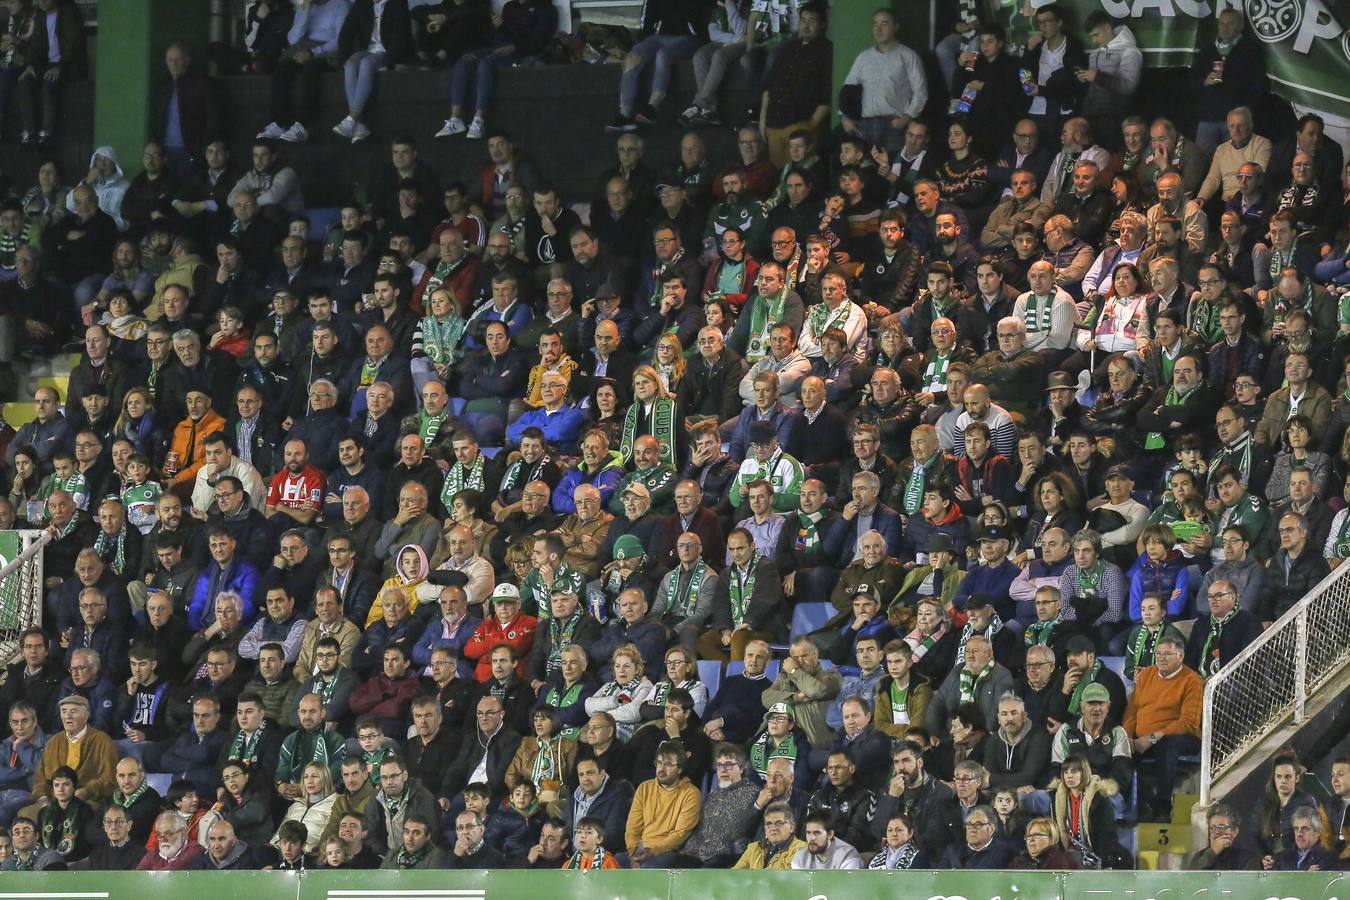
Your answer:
<point x="519" y="633"/>
<point x="385" y="698"/>
<point x="747" y="280"/>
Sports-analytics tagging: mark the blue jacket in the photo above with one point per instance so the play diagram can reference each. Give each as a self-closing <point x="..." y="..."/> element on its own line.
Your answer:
<point x="921" y="531"/>
<point x="339" y="480"/>
<point x="102" y="699"/>
<point x="17" y="767"/>
<point x="739" y="703"/>
<point x="1167" y="578"/>
<point x="781" y="417"/>
<point x="195" y="758"/>
<point x="983" y="580"/>
<point x="320" y="431"/>
<point x="520" y="316"/>
<point x="485" y="378"/>
<point x="843" y="534"/>
<point x="606" y="481"/>
<point x="240" y="577"/>
<point x="562" y="429"/>
<point x="432" y="640"/>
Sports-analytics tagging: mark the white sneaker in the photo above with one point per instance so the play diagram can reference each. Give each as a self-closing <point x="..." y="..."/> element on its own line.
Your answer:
<point x="359" y="132"/>
<point x="345" y="128"/>
<point x="296" y="134"/>
<point x="453" y="126"/>
<point x="273" y="131"/>
<point x="475" y="128"/>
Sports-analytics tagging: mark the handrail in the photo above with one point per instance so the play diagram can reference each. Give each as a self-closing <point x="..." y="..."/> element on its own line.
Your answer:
<point x="1286" y="663"/>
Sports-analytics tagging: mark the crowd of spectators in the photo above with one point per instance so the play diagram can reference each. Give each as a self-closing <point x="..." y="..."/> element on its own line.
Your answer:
<point x="404" y="543"/>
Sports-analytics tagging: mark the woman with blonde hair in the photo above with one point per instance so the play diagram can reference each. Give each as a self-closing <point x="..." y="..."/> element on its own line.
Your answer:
<point x="654" y="411"/>
<point x="669" y="361"/>
<point x="136" y="422"/>
<point x="933" y="641"/>
<point x="1043" y="850"/>
<point x="622" y="698"/>
<point x="314" y="806"/>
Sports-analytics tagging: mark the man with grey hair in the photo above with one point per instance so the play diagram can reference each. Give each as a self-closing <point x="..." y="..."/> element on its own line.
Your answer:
<point x="88" y="680"/>
<point x="1018" y="754"/>
<point x="1014" y="373"/>
<point x="1243" y="146"/>
<point x="1223" y="853"/>
<point x="323" y="425"/>
<point x="1307" y="854"/>
<point x="979" y="680"/>
<point x="982" y="849"/>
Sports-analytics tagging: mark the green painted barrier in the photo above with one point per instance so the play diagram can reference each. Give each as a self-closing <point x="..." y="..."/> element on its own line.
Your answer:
<point x="669" y="885"/>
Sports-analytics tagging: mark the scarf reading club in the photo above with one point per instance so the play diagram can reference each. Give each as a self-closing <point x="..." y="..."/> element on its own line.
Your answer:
<point x="918" y="476"/>
<point x="430" y="426"/>
<point x="1089" y="677"/>
<point x="662" y="428"/>
<point x="761" y="751"/>
<point x="1209" y="655"/>
<point x="969" y="683"/>
<point x="742" y="588"/>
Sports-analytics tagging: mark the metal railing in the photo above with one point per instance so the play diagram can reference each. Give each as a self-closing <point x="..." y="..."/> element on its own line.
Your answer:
<point x="1272" y="679"/>
<point x="21" y="591"/>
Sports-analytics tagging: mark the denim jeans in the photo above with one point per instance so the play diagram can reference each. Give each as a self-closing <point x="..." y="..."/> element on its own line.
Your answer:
<point x="485" y="63"/>
<point x="358" y="77"/>
<point x="665" y="51"/>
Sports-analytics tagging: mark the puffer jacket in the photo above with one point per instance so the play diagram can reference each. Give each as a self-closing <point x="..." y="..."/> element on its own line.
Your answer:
<point x="1118" y="65"/>
<point x="1165" y="578"/>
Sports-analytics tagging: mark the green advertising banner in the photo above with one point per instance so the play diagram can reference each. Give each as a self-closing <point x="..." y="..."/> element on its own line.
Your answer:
<point x="669" y="885"/>
<point x="1307" y="42"/>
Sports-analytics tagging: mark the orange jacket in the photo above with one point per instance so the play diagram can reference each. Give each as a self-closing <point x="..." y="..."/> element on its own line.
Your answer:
<point x="1168" y="705"/>
<point x="187" y="443"/>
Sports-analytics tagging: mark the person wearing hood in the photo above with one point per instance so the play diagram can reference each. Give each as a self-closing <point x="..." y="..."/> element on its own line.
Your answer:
<point x="108" y="182"/>
<point x="410" y="578"/>
<point x="1112" y="73"/>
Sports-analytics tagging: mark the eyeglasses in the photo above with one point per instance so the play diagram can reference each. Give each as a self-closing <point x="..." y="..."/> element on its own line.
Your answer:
<point x="1037" y="834"/>
<point x="978" y="825"/>
<point x="967" y="778"/>
<point x="1217" y="828"/>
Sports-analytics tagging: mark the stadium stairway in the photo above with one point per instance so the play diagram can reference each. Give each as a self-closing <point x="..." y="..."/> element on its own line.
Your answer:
<point x="53" y="373"/>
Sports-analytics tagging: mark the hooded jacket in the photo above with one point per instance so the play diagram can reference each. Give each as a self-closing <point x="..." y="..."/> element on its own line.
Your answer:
<point x="110" y="190"/>
<point x="417" y="590"/>
<point x="1118" y="65"/>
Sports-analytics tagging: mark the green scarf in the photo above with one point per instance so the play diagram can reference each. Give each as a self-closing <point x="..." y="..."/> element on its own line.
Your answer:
<point x="820" y="319"/>
<point x="125" y="800"/>
<point x="512" y="477"/>
<point x="1342" y="544"/>
<point x="60" y="828"/>
<point x="559" y="636"/>
<point x="1141" y="650"/>
<point x="25" y="865"/>
<point x="969" y="683"/>
<point x="808" y="534"/>
<point x="429" y="426"/>
<point x="918" y="477"/>
<point x="1205" y="320"/>
<point x="373" y="761"/>
<point x="369" y="370"/>
<point x="995" y="626"/>
<point x="324" y="687"/>
<point x="1239" y="454"/>
<point x="244" y="748"/>
<point x="1209" y="662"/>
<point x="763" y="313"/>
<point x="546" y="758"/>
<point x="741" y="589"/>
<point x="684" y="595"/>
<point x="559" y="699"/>
<point x="1041" y="632"/>
<point x="1088" y="579"/>
<point x="664" y="687"/>
<point x="117" y="544"/>
<point x="1038" y="319"/>
<point x="394" y="805"/>
<point x="1155" y="440"/>
<point x="761" y="752"/>
<point x="935" y="373"/>
<point x="457" y="479"/>
<point x="662" y="428"/>
<point x="597" y="859"/>
<point x="1076" y="699"/>
<point x="412" y="860"/>
<point x="440" y="339"/>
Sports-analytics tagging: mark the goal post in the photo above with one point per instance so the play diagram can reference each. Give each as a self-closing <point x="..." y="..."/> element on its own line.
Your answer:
<point x="20" y="586"/>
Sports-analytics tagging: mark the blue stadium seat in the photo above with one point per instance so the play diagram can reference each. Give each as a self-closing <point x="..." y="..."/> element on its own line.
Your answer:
<point x="710" y="673"/>
<point x="1115" y="664"/>
<point x="491" y="452"/>
<point x="457" y="405"/>
<point x="322" y="218"/>
<point x="808" y="617"/>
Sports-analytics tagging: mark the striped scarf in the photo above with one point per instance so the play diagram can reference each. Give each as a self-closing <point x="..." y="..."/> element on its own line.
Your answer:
<point x="597" y="859"/>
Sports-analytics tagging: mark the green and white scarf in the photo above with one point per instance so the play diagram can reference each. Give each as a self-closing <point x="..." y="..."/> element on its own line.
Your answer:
<point x="664" y="687"/>
<point x="1088" y="579"/>
<point x="412" y="860"/>
<point x="662" y="428"/>
<point x="1342" y="542"/>
<point x="1141" y="649"/>
<point x="429" y="426"/>
<point x="597" y="859"/>
<point x="970" y="684"/>
<point x="684" y="592"/>
<point x="1036" y="317"/>
<point x="394" y="805"/>
<point x="1239" y="453"/>
<point x="512" y="477"/>
<point x="559" y="636"/>
<point x="995" y="626"/>
<point x="60" y="828"/>
<point x="935" y="373"/>
<point x="741" y="589"/>
<point x="117" y="544"/>
<point x="126" y="800"/>
<point x="921" y="644"/>
<point x="1089" y="677"/>
<point x="459" y="479"/>
<point x="764" y="312"/>
<point x="440" y="339"/>
<point x="1041" y="632"/>
<point x="918" y="476"/>
<point x="546" y="759"/>
<point x="761" y="751"/>
<point x="560" y="699"/>
<point x="244" y="748"/>
<point x="1209" y="662"/>
<point x="1155" y="440"/>
<point x="820" y="319"/>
